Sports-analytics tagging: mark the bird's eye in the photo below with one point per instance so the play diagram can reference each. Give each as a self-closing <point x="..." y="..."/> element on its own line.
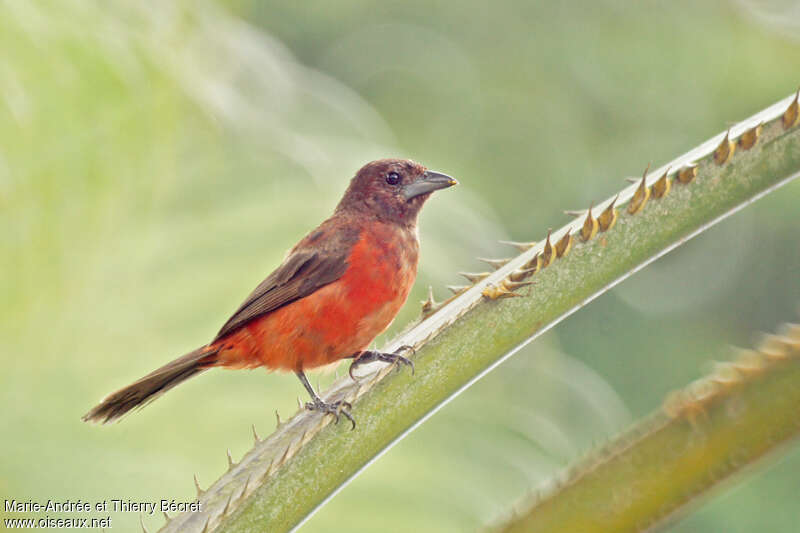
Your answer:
<point x="392" y="178"/>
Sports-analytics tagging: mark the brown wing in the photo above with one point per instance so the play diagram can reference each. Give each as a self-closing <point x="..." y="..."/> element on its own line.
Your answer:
<point x="303" y="272"/>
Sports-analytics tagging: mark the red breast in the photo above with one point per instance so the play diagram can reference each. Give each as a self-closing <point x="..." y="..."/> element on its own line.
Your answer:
<point x="337" y="320"/>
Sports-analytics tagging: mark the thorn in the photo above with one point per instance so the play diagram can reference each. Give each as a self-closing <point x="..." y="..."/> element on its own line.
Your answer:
<point x="792" y="113"/>
<point x="141" y="522"/>
<point x="519" y="275"/>
<point x="428" y="305"/>
<point x="750" y="137"/>
<point x="457" y="289"/>
<point x="272" y="467"/>
<point x="300" y="403"/>
<point x="495" y="292"/>
<point x="725" y="150"/>
<point x="278" y="419"/>
<point x="534" y="264"/>
<point x="749" y="363"/>
<point x="564" y="244"/>
<point x="227" y="508"/>
<point x="590" y="225"/>
<point x="790" y="335"/>
<point x="197" y="486"/>
<point x="632" y="180"/>
<point x="641" y="195"/>
<point x="246" y="484"/>
<point x="303" y="440"/>
<point x="287" y="453"/>
<point x="230" y="460"/>
<point x="495" y="263"/>
<point x="791" y="331"/>
<point x="205" y="527"/>
<point x="662" y="186"/>
<point x="514" y="285"/>
<point x="703" y="390"/>
<point x="474" y="277"/>
<point x="687" y="173"/>
<point x="166" y="516"/>
<point x="547" y="252"/>
<point x="521" y="246"/>
<point x="608" y="217"/>
<point x="256" y="438"/>
<point x="575" y="212"/>
<point x="774" y="347"/>
<point x="263" y="477"/>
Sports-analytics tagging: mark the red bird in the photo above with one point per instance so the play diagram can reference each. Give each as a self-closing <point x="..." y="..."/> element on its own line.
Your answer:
<point x="337" y="289"/>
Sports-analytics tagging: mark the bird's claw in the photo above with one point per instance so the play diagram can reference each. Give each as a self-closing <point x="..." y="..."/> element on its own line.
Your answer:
<point x="403" y="361"/>
<point x="369" y="356"/>
<point x="406" y="348"/>
<point x="340" y="407"/>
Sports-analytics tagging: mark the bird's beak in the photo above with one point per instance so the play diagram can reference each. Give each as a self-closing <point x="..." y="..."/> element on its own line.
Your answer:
<point x="429" y="181"/>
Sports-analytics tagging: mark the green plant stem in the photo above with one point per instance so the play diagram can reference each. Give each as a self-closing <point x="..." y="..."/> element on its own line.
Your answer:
<point x="711" y="430"/>
<point x="286" y="476"/>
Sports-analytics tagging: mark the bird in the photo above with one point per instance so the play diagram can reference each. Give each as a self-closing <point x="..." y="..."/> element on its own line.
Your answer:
<point x="334" y="293"/>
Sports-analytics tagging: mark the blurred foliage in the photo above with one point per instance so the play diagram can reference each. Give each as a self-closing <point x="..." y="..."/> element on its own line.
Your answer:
<point x="157" y="159"/>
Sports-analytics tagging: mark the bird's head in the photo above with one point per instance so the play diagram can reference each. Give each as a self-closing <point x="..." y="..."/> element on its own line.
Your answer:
<point x="393" y="189"/>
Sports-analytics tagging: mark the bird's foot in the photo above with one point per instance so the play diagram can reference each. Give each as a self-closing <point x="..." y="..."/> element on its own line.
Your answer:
<point x="369" y="356"/>
<point x="337" y="408"/>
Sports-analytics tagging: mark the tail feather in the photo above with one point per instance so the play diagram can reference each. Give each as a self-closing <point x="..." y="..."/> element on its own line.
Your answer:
<point x="151" y="386"/>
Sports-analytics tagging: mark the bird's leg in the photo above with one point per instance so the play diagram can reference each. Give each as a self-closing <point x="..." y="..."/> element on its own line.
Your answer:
<point x="368" y="356"/>
<point x="316" y="403"/>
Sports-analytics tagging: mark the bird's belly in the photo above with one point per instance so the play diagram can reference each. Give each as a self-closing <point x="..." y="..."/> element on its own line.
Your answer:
<point x="336" y="321"/>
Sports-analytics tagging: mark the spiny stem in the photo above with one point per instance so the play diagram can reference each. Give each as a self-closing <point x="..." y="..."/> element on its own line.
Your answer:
<point x="304" y="462"/>
<point x="703" y="434"/>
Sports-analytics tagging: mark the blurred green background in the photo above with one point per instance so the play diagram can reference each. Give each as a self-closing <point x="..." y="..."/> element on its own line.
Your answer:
<point x="158" y="158"/>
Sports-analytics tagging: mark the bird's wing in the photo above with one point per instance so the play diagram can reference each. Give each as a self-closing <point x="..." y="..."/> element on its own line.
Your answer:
<point x="304" y="271"/>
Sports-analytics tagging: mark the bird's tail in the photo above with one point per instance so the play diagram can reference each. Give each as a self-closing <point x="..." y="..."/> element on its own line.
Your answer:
<point x="152" y="386"/>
